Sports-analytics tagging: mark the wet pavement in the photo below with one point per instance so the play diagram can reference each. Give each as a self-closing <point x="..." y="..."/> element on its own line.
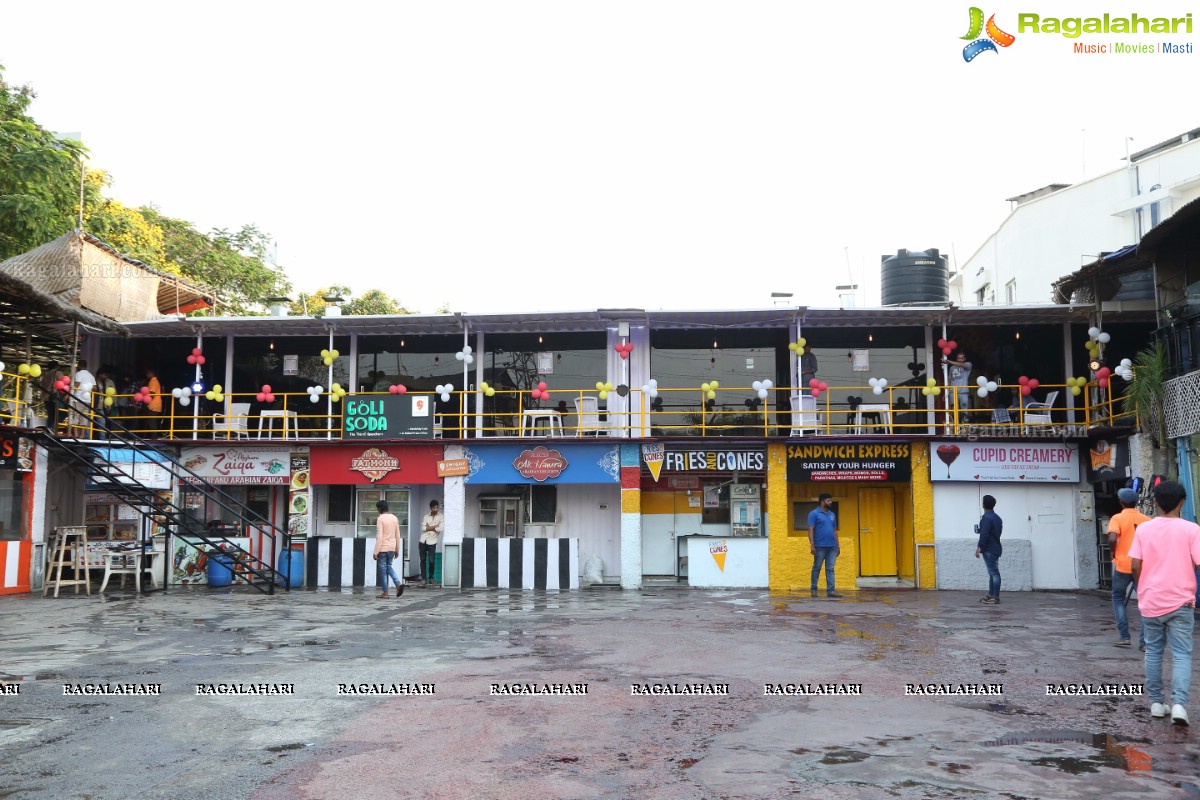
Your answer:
<point x="867" y="739"/>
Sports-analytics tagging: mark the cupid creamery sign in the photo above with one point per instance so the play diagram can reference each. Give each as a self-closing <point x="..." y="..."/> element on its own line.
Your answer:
<point x="374" y="463"/>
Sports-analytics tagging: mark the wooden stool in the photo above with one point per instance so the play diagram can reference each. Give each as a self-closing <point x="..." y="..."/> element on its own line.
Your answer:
<point x="67" y="550"/>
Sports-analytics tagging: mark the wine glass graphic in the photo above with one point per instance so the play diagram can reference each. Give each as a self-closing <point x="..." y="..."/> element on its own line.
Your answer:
<point x="947" y="453"/>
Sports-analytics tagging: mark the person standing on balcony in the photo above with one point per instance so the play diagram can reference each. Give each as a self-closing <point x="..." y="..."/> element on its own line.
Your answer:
<point x="808" y="369"/>
<point x="431" y="532"/>
<point x="1164" y="555"/>
<point x="387" y="549"/>
<point x="1120" y="538"/>
<point x="823" y="543"/>
<point x="80" y="404"/>
<point x="989" y="529"/>
<point x="155" y="407"/>
<point x="960" y="373"/>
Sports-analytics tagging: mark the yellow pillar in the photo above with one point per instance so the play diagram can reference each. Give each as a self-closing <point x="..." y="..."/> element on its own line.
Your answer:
<point x="922" y="510"/>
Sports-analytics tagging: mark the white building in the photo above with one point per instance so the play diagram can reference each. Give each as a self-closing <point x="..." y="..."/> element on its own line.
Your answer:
<point x="1055" y="230"/>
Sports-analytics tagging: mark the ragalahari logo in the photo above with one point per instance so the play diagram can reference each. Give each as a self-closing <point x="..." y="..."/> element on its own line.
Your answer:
<point x="995" y="36"/>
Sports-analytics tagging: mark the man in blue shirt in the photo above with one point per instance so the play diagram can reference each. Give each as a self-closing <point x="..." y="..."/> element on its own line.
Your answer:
<point x="823" y="543"/>
<point x="989" y="528"/>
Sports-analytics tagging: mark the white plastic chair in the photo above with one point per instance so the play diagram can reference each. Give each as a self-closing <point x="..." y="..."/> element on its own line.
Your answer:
<point x="804" y="414"/>
<point x="233" y="423"/>
<point x="1037" y="413"/>
<point x="437" y="426"/>
<point x="589" y="424"/>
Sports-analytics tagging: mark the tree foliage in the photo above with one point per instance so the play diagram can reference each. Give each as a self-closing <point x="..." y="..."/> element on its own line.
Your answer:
<point x="39" y="176"/>
<point x="373" y="301"/>
<point x="1145" y="394"/>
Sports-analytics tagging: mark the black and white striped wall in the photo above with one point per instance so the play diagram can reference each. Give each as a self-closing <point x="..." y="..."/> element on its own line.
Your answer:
<point x="520" y="563"/>
<point x="336" y="562"/>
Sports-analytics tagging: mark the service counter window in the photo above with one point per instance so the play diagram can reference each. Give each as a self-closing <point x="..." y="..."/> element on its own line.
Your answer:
<point x="12" y="506"/>
<point x="716" y="504"/>
<point x="397" y="500"/>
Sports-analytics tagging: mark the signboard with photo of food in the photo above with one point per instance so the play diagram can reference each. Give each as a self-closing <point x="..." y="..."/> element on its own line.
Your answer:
<point x="299" y="496"/>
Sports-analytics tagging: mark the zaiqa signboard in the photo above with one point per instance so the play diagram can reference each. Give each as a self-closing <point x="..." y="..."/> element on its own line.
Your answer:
<point x="1027" y="463"/>
<point x="262" y="466"/>
<point x="850" y="461"/>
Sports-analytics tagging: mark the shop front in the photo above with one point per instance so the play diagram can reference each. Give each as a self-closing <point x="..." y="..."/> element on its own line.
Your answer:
<point x="535" y="514"/>
<point x="255" y="477"/>
<point x="1049" y="519"/>
<point x="872" y="488"/>
<point x="703" y="515"/>
<point x="16" y="512"/>
<point x="347" y="481"/>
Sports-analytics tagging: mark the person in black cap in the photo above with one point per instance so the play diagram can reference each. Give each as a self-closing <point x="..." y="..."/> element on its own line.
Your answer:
<point x="1120" y="536"/>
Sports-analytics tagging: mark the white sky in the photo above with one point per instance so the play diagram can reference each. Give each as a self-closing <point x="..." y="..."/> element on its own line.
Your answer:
<point x="535" y="156"/>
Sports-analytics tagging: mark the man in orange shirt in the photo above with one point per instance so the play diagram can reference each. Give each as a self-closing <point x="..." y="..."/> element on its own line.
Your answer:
<point x="155" y="406"/>
<point x="1120" y="536"/>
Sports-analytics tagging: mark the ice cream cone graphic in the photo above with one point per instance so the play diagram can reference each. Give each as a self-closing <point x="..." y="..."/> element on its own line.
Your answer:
<point x="718" y="550"/>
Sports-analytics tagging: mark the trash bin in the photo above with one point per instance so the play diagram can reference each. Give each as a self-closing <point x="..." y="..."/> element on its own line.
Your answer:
<point x="291" y="568"/>
<point x="220" y="569"/>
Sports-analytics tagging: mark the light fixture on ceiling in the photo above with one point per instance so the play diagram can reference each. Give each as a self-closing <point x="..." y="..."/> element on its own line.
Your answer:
<point x="402" y="342"/>
<point x="539" y="338"/>
<point x="1018" y="336"/>
<point x="870" y="336"/>
<point x="271" y="345"/>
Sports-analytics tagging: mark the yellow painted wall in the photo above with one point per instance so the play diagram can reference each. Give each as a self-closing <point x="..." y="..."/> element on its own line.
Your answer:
<point x="922" y="514"/>
<point x="906" y="565"/>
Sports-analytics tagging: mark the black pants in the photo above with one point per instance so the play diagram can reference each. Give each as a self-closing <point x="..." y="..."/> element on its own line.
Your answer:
<point x="427" y="551"/>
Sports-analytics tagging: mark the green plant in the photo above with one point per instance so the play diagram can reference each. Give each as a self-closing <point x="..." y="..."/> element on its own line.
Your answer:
<point x="1145" y="394"/>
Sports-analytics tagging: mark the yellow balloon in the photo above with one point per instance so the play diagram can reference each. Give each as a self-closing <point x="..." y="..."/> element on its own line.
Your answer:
<point x="210" y="395"/>
<point x="108" y="401"/>
<point x="802" y="341"/>
<point x="328" y="361"/>
<point x="603" y="395"/>
<point x="110" y="391"/>
<point x="1075" y="390"/>
<point x="324" y="354"/>
<point x="334" y="354"/>
<point x="35" y="371"/>
<point x="715" y="385"/>
<point x="599" y="386"/>
<point x="23" y="369"/>
<point x="712" y="395"/>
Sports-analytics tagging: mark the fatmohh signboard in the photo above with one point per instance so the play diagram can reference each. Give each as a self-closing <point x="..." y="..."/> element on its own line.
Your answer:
<point x="389" y="416"/>
<point x="994" y="461"/>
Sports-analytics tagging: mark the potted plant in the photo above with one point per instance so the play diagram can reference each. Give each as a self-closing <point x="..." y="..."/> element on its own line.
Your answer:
<point x="1145" y="399"/>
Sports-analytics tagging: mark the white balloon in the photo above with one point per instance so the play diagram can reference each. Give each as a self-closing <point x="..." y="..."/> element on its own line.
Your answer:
<point x="177" y="393"/>
<point x="1093" y="332"/>
<point x="1103" y="338"/>
<point x="878" y="390"/>
<point x="1125" y="362"/>
<point x="185" y="401"/>
<point x="883" y="382"/>
<point x="762" y="394"/>
<point x="981" y="380"/>
<point x="187" y="391"/>
<point x="445" y="397"/>
<point x="757" y="386"/>
<point x="459" y="356"/>
<point x="982" y="391"/>
<point x="991" y="386"/>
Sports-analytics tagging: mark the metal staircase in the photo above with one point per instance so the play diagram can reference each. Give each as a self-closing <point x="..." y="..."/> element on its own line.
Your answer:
<point x="116" y="477"/>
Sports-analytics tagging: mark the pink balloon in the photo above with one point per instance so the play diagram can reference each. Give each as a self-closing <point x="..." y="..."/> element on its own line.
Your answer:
<point x="1103" y="372"/>
<point x="260" y="397"/>
<point x="813" y="383"/>
<point x="146" y="391"/>
<point x="942" y="343"/>
<point x="393" y="389"/>
<point x="1033" y="383"/>
<point x="196" y="351"/>
<point x="1026" y="390"/>
<point x="816" y="392"/>
<point x="946" y="351"/>
<point x="266" y="388"/>
<point x="542" y="386"/>
<point x="401" y="389"/>
<point x="191" y="359"/>
<point x="1022" y="380"/>
<point x="270" y="397"/>
<point x="953" y="345"/>
<point x="199" y="359"/>
<point x="1103" y="382"/>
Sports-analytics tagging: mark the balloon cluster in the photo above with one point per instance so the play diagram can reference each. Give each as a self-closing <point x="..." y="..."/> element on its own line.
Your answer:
<point x="877" y="385"/>
<point x="623" y="350"/>
<point x="183" y="395"/>
<point x="443" y="390"/>
<point x="603" y="387"/>
<point x="32" y="370"/>
<point x="143" y="395"/>
<point x="1076" y="385"/>
<point x="797" y="346"/>
<point x="487" y="388"/>
<point x="397" y="388"/>
<point x="329" y="356"/>
<point x="63" y="384"/>
<point x="464" y="355"/>
<point x="1096" y="339"/>
<point x="1028" y="385"/>
<point x="709" y="390"/>
<point x="947" y="346"/>
<point x="816" y="387"/>
<point x="109" y="394"/>
<point x="762" y="388"/>
<point x="217" y="395"/>
<point x="314" y="393"/>
<point x="1124" y="370"/>
<point x="1102" y="376"/>
<point x="264" y="395"/>
<point x="650" y="388"/>
<point x="931" y="389"/>
<point x="196" y="357"/>
<point x="336" y="392"/>
<point x="986" y="387"/>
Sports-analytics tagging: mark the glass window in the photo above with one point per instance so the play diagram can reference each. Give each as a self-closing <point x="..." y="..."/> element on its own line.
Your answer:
<point x="341" y="504"/>
<point x="1010" y="292"/>
<point x="12" y="505"/>
<point x="397" y="500"/>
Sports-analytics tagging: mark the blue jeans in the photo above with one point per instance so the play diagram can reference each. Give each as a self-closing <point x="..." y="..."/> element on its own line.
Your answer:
<point x="1174" y="629"/>
<point x="383" y="568"/>
<point x="993" y="568"/>
<point x="828" y="555"/>
<point x="1121" y="583"/>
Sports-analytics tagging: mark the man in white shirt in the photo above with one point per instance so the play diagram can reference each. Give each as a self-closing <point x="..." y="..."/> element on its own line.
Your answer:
<point x="431" y="532"/>
<point x="80" y="404"/>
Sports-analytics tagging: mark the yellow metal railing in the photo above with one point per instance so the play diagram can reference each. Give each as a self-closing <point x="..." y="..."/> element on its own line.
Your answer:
<point x="731" y="411"/>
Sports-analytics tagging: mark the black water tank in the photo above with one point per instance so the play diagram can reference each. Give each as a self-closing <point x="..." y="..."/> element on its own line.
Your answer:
<point x="916" y="278"/>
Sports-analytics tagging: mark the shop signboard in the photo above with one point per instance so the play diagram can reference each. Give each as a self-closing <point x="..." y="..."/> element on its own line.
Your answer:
<point x="378" y="464"/>
<point x="1108" y="460"/>
<point x="1022" y="462"/>
<point x="262" y="466"/>
<point x="849" y="461"/>
<point x="529" y="462"/>
<point x="709" y="458"/>
<point x="132" y="466"/>
<point x="389" y="416"/>
<point x="16" y="452"/>
<point x="299" y="494"/>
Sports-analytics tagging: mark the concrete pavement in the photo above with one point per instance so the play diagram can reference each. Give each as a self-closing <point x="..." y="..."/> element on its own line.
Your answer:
<point x="856" y="734"/>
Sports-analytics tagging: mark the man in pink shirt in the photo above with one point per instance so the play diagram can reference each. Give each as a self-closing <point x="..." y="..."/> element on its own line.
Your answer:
<point x="387" y="547"/>
<point x="1164" y="554"/>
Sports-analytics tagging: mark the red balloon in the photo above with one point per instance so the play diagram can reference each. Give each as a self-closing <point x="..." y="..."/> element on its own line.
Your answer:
<point x="946" y="351"/>
<point x="196" y="351"/>
<point x="270" y="397"/>
<point x="1103" y="382"/>
<point x="1026" y="390"/>
<point x="1022" y="380"/>
<point x="266" y="388"/>
<point x="191" y="359"/>
<point x="823" y="386"/>
<point x="1033" y="383"/>
<point x="813" y="383"/>
<point x="542" y="386"/>
<point x="260" y="397"/>
<point x="816" y="393"/>
<point x="146" y="391"/>
<point x="199" y="359"/>
<point x="953" y="345"/>
<point x="942" y="343"/>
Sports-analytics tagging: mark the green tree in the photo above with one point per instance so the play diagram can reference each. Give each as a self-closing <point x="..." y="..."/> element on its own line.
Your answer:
<point x="233" y="264"/>
<point x="373" y="301"/>
<point x="126" y="229"/>
<point x="39" y="176"/>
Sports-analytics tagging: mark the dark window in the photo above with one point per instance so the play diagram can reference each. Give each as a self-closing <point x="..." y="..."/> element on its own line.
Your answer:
<point x="341" y="504"/>
<point x="543" y="503"/>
